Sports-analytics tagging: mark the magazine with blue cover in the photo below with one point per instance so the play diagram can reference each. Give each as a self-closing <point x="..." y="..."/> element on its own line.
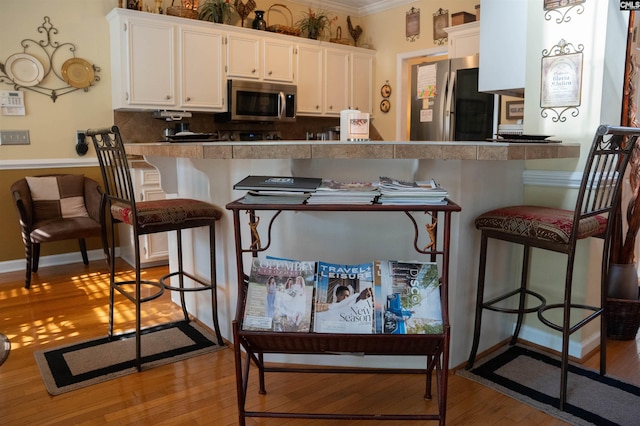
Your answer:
<point x="344" y="299"/>
<point x="411" y="292"/>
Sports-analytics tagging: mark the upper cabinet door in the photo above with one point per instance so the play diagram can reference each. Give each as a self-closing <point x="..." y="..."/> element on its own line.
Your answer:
<point x="243" y="56"/>
<point x="278" y="60"/>
<point x="362" y="82"/>
<point x="151" y="72"/>
<point x="310" y="80"/>
<point x="202" y="77"/>
<point x="336" y="83"/>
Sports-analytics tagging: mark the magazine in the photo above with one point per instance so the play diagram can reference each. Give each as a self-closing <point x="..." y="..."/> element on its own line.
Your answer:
<point x="412" y="302"/>
<point x="279" y="295"/>
<point x="344" y="299"/>
<point x="393" y="191"/>
<point x="334" y="192"/>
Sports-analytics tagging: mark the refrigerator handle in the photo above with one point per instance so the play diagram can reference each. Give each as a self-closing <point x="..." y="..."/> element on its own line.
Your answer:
<point x="449" y="119"/>
<point x="443" y="113"/>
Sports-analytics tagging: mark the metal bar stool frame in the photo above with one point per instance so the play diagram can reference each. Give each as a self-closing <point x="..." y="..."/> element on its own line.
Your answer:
<point x="120" y="202"/>
<point x="598" y="197"/>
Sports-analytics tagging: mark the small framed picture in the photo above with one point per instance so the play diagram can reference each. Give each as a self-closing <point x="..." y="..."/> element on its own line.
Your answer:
<point x="440" y="22"/>
<point x="413" y="24"/>
<point x="515" y="110"/>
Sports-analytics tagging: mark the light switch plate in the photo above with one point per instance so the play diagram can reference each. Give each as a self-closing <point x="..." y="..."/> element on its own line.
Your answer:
<point x="14" y="137"/>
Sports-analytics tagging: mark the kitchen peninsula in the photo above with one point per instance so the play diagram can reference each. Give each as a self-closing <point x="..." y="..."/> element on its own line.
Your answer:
<point x="477" y="175"/>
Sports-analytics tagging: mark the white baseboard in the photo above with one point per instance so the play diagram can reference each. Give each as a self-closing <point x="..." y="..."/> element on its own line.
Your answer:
<point x="553" y="340"/>
<point x="53" y="260"/>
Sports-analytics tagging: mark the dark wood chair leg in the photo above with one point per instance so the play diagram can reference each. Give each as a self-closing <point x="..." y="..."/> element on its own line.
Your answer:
<point x="35" y="256"/>
<point x="214" y="283"/>
<point x="479" y="302"/>
<point x="83" y="251"/>
<point x="28" y="252"/>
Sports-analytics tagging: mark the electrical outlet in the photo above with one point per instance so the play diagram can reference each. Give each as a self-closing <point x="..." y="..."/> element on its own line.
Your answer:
<point x="14" y="137"/>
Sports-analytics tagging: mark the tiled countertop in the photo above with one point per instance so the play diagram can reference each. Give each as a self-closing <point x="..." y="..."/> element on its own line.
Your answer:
<point x="360" y="150"/>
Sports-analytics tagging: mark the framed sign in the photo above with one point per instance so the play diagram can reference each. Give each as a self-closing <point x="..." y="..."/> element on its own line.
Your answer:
<point x="557" y="4"/>
<point x="413" y="24"/>
<point x="561" y="80"/>
<point x="440" y="22"/>
<point x="515" y="110"/>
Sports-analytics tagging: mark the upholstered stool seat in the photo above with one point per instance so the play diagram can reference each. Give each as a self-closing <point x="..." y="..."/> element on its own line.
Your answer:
<point x="165" y="213"/>
<point x="148" y="217"/>
<point x="558" y="230"/>
<point x="540" y="223"/>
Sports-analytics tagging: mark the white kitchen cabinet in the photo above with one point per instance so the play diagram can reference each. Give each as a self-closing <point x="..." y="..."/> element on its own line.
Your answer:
<point x="504" y="24"/>
<point x="164" y="62"/>
<point x="362" y="82"/>
<point x="278" y="60"/>
<point x="259" y="58"/>
<point x="243" y="56"/>
<point x="154" y="248"/>
<point x="310" y="79"/>
<point x="202" y="81"/>
<point x="336" y="81"/>
<point x="464" y="39"/>
<point x="143" y="64"/>
<point x="331" y="79"/>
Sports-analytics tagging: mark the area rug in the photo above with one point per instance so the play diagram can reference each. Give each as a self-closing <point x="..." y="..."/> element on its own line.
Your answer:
<point x="534" y="379"/>
<point x="86" y="363"/>
<point x="5" y="347"/>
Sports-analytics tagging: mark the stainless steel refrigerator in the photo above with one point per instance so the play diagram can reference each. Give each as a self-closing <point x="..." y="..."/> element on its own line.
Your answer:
<point x="446" y="104"/>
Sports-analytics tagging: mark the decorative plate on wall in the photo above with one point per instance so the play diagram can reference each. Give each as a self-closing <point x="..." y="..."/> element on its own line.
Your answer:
<point x="78" y="73"/>
<point x="24" y="69"/>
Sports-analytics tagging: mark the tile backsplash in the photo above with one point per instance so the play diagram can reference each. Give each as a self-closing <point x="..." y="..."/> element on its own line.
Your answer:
<point x="142" y="127"/>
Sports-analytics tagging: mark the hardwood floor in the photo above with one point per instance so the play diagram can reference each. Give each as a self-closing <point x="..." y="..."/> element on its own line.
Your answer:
<point x="69" y="303"/>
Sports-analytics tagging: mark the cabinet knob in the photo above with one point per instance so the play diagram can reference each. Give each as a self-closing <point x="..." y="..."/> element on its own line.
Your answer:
<point x="188" y="98"/>
<point x="253" y="71"/>
<point x="168" y="97"/>
<point x="317" y="106"/>
<point x="330" y="106"/>
<point x="270" y="72"/>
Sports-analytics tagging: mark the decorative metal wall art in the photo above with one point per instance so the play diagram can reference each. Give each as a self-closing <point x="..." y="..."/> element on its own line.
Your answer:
<point x="552" y="7"/>
<point x="561" y="80"/>
<point x="26" y="71"/>
<point x="413" y="24"/>
<point x="440" y="22"/>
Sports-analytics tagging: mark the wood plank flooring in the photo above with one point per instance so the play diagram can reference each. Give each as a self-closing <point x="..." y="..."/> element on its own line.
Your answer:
<point x="70" y="303"/>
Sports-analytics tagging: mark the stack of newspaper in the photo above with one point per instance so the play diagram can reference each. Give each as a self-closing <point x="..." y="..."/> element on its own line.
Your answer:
<point x="393" y="191"/>
<point x="334" y="192"/>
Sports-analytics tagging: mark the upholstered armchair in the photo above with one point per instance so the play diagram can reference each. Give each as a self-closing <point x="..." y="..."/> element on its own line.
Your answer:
<point x="55" y="208"/>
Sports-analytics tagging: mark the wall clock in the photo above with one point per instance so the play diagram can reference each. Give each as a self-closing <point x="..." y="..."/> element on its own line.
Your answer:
<point x="385" y="105"/>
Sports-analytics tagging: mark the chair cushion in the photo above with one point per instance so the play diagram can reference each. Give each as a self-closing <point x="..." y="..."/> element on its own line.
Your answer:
<point x="56" y="197"/>
<point x="544" y="223"/>
<point x="175" y="211"/>
<point x="65" y="229"/>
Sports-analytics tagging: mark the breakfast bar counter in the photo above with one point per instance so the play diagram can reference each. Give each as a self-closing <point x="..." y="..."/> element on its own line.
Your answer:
<point x="360" y="150"/>
<point x="477" y="175"/>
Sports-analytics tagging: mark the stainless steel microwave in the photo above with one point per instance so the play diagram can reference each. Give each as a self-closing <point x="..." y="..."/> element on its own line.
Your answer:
<point x="259" y="101"/>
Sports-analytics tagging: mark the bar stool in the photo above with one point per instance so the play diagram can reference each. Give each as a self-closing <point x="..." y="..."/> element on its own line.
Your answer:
<point x="558" y="230"/>
<point x="148" y="217"/>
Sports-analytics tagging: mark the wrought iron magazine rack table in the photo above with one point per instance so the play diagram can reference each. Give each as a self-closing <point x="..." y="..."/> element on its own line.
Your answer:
<point x="435" y="347"/>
